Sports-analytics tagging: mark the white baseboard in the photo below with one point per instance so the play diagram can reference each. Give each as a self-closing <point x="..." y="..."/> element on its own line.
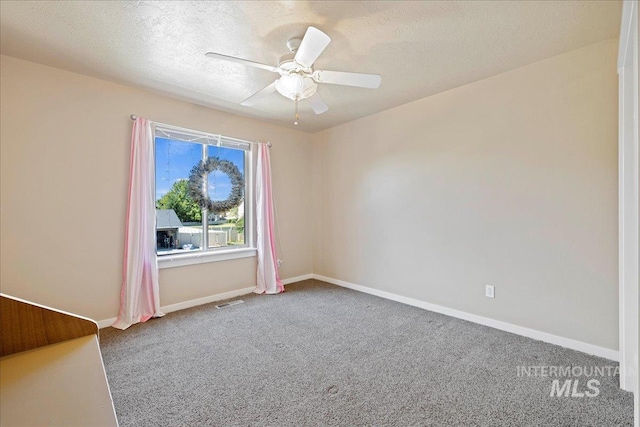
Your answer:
<point x="191" y="303"/>
<point x="206" y="300"/>
<point x="497" y="324"/>
<point x="212" y="298"/>
<point x="105" y="323"/>
<point x="297" y="279"/>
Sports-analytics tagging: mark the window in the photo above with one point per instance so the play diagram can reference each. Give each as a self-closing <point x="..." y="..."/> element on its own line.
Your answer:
<point x="195" y="169"/>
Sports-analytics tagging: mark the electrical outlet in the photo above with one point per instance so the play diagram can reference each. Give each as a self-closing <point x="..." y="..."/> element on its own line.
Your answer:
<point x="489" y="291"/>
<point x="280" y="262"/>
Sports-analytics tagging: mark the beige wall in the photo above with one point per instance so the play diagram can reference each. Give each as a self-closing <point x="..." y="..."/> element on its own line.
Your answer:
<point x="64" y="152"/>
<point x="509" y="181"/>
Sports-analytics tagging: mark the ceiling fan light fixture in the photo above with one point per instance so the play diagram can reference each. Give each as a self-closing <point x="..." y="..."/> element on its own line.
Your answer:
<point x="295" y="86"/>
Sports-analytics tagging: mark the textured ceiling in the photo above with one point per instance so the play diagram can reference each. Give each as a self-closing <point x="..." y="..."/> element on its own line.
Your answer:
<point x="419" y="48"/>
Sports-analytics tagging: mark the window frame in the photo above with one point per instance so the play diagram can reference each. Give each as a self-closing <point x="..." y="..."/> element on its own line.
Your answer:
<point x="208" y="254"/>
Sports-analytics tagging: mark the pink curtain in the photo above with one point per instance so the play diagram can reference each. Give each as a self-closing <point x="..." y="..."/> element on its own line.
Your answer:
<point x="139" y="295"/>
<point x="268" y="280"/>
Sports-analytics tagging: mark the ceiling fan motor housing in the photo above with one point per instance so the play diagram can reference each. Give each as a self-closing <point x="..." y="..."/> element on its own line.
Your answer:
<point x="286" y="62"/>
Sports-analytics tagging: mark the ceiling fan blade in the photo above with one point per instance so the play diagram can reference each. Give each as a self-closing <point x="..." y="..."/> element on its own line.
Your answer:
<point x="260" y="95"/>
<point x="317" y="103"/>
<point x="370" y="81"/>
<point x="312" y="45"/>
<point x="241" y="61"/>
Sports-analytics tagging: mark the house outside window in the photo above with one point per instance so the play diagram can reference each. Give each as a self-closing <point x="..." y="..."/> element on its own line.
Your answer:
<point x="202" y="189"/>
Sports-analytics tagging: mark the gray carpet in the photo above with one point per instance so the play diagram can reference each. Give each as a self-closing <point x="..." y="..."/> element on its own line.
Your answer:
<point x="336" y="357"/>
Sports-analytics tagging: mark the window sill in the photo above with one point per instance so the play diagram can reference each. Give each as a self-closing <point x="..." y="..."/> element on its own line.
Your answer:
<point x="169" y="261"/>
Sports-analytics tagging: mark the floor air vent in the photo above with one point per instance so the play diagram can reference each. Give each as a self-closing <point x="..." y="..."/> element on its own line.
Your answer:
<point x="230" y="303"/>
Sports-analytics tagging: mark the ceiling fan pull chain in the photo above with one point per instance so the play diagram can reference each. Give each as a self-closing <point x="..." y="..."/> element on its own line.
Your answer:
<point x="295" y="122"/>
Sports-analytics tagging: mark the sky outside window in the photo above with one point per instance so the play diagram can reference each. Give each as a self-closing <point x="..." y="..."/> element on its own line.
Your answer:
<point x="175" y="159"/>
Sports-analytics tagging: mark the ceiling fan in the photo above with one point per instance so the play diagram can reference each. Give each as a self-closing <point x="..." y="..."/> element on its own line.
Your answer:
<point x="297" y="79"/>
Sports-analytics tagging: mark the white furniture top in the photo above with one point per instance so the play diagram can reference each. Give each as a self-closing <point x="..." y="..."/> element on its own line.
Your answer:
<point x="61" y="384"/>
<point x="51" y="370"/>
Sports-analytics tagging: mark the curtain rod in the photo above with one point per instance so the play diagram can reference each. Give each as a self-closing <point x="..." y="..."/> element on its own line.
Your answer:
<point x="133" y="117"/>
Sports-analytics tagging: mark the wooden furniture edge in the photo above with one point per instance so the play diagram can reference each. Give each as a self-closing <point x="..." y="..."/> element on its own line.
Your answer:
<point x="25" y="325"/>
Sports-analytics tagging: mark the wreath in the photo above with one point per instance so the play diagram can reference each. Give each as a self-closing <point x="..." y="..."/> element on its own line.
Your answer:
<point x="198" y="190"/>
